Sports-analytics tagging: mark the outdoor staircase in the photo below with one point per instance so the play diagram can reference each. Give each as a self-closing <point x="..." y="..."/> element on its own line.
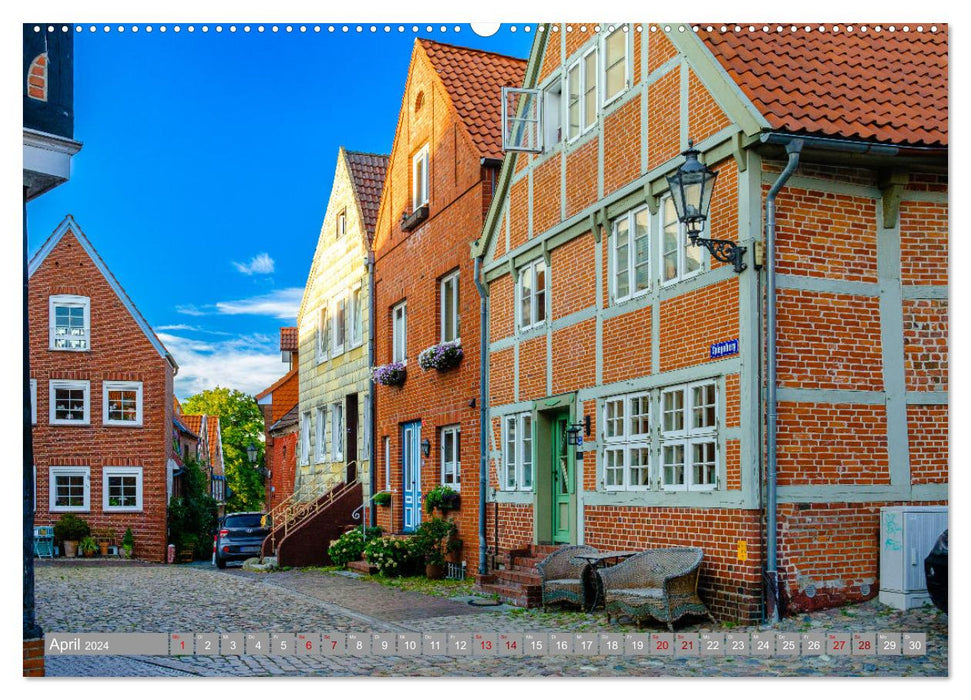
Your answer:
<point x="518" y="581"/>
<point x="303" y="526"/>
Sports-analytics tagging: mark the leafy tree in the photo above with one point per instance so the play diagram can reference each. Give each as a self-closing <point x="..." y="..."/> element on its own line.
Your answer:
<point x="241" y="423"/>
<point x="192" y="517"/>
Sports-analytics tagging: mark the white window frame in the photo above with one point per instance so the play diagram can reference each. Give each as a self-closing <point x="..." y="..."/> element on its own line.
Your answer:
<point x="399" y="334"/>
<point x="689" y="436"/>
<point x="304" y="443"/>
<point x="73" y="384"/>
<point x="680" y="274"/>
<point x="338" y="324"/>
<point x="630" y="218"/>
<point x="581" y="63"/>
<point x="33" y="402"/>
<point x="323" y="326"/>
<point x="320" y="435"/>
<point x="337" y="431"/>
<point x="626" y="440"/>
<point x="387" y="462"/>
<point x="341" y="223"/>
<point x="602" y="68"/>
<point x="107" y="472"/>
<point x="419" y="188"/>
<point x="53" y="473"/>
<point x="530" y="269"/>
<point x="522" y="452"/>
<point x="122" y="386"/>
<point x="74" y="301"/>
<point x="355" y="306"/>
<point x="443" y="292"/>
<point x="455" y="459"/>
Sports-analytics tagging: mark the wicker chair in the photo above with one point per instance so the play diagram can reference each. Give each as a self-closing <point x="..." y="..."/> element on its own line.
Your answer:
<point x="561" y="577"/>
<point x="658" y="583"/>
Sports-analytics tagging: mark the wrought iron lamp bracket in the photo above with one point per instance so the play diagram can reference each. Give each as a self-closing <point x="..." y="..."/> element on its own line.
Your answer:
<point x="724" y="251"/>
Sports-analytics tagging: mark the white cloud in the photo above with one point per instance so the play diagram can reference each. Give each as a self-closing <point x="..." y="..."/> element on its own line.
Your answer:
<point x="248" y="363"/>
<point x="261" y="264"/>
<point x="190" y="310"/>
<point x="281" y="303"/>
<point x="187" y="327"/>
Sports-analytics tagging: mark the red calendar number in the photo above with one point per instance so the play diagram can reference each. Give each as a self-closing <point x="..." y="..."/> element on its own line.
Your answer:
<point x="662" y="644"/>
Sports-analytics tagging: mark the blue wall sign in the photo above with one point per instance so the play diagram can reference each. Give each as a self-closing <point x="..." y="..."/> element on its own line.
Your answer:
<point x="724" y="349"/>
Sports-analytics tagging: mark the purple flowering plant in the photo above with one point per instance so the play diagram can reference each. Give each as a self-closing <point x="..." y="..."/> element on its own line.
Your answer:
<point x="442" y="357"/>
<point x="391" y="374"/>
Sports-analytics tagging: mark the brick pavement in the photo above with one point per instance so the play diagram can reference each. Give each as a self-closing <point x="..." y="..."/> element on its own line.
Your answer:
<point x="191" y="599"/>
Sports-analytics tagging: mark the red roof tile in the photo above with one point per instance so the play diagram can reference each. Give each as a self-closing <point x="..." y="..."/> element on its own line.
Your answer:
<point x="212" y="423"/>
<point x="367" y="177"/>
<point x="474" y="81"/>
<point x="289" y="341"/>
<point x="192" y="422"/>
<point x="887" y="87"/>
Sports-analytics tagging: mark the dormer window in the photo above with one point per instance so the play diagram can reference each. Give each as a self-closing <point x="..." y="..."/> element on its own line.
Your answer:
<point x="419" y="178"/>
<point x="70" y="322"/>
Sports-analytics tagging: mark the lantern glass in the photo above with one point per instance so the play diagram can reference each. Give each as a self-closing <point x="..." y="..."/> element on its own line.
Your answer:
<point x="691" y="189"/>
<point x="251" y="453"/>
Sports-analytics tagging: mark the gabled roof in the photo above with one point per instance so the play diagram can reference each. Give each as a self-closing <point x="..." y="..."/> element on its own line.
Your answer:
<point x="887" y="87"/>
<point x="182" y="428"/>
<point x="367" y="177"/>
<point x="474" y="80"/>
<point x="69" y="224"/>
<point x="289" y="340"/>
<point x="276" y="385"/>
<point x="290" y="418"/>
<point x="215" y="443"/>
<point x="193" y="422"/>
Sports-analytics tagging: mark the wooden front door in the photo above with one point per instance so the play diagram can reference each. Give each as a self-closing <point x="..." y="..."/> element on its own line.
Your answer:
<point x="562" y="479"/>
<point x="411" y="474"/>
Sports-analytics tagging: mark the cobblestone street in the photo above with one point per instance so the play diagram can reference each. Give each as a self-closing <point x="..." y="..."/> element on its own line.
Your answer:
<point x="188" y="599"/>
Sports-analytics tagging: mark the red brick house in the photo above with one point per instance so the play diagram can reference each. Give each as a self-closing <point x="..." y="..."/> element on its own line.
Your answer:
<point x="101" y="383"/>
<point x="280" y="406"/>
<point x="605" y="320"/>
<point x="439" y="183"/>
<point x="209" y="452"/>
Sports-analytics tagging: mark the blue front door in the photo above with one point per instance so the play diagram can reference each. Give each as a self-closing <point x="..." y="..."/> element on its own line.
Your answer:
<point x="411" y="474"/>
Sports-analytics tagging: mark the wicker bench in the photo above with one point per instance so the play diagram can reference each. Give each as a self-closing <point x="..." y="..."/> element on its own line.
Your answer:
<point x="561" y="577"/>
<point x="659" y="583"/>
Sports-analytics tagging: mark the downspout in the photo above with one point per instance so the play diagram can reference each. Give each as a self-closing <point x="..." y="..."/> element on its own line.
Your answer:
<point x="793" y="148"/>
<point x="483" y="404"/>
<point x="372" y="400"/>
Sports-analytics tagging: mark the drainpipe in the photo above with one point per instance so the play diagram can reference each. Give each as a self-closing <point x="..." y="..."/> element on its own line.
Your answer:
<point x="793" y="148"/>
<point x="372" y="400"/>
<point x="483" y="404"/>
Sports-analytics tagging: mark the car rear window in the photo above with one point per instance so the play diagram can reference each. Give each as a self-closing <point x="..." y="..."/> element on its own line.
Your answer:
<point x="243" y="520"/>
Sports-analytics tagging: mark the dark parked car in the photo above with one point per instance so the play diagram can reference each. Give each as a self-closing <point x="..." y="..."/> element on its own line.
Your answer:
<point x="935" y="571"/>
<point x="240" y="537"/>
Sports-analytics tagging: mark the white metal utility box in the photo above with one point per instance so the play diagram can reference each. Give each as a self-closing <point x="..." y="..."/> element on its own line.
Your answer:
<point x="907" y="535"/>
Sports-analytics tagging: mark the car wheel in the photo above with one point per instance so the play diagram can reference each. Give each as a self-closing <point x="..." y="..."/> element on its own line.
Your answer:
<point x="220" y="563"/>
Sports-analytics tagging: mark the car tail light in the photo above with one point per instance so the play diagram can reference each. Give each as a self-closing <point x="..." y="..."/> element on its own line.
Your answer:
<point x="226" y="549"/>
<point x="223" y="533"/>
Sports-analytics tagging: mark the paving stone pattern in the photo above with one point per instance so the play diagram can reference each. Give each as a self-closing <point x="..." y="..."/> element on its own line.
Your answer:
<point x="200" y="599"/>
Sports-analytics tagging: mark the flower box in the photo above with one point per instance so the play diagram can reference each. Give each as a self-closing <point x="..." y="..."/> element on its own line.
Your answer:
<point x="392" y="374"/>
<point x="442" y="357"/>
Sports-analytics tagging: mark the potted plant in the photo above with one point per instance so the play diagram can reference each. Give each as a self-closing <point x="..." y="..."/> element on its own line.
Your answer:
<point x="443" y="497"/>
<point x="392" y="374"/>
<point x="429" y="543"/>
<point x="128" y="544"/>
<point x="443" y="356"/>
<point x="105" y="539"/>
<point x="382" y="499"/>
<point x="69" y="529"/>
<point x="88" y="546"/>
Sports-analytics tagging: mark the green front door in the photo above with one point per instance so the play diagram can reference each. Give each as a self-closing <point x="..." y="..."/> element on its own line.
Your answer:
<point x="562" y="479"/>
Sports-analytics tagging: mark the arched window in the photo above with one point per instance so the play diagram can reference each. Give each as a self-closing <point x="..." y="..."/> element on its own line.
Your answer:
<point x="37" y="78"/>
<point x="419" y="101"/>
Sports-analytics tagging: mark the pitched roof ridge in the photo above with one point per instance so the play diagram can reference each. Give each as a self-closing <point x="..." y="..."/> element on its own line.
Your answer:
<point x="276" y="385"/>
<point x="367" y="153"/>
<point x="469" y="48"/>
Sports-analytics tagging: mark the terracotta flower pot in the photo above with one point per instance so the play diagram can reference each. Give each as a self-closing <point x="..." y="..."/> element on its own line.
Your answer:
<point x="70" y="548"/>
<point x="103" y="546"/>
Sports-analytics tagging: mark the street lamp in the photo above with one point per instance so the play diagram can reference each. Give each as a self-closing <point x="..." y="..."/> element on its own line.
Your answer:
<point x="252" y="452"/>
<point x="691" y="189"/>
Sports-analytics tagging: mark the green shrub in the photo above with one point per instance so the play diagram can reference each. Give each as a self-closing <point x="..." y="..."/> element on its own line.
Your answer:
<point x="71" y="527"/>
<point x="192" y="517"/>
<point x="392" y="556"/>
<point x="128" y="540"/>
<point x="350" y="546"/>
<point x="430" y="541"/>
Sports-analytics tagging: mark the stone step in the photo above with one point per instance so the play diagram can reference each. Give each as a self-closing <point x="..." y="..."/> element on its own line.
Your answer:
<point x="543" y="550"/>
<point x="525" y="563"/>
<point x="361" y="566"/>
<point x="515" y="576"/>
<point x="523" y="596"/>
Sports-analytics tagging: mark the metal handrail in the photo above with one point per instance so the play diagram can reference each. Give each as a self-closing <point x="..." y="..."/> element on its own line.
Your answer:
<point x="356" y="513"/>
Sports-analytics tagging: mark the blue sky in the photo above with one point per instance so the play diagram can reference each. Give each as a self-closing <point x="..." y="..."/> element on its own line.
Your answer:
<point x="206" y="168"/>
